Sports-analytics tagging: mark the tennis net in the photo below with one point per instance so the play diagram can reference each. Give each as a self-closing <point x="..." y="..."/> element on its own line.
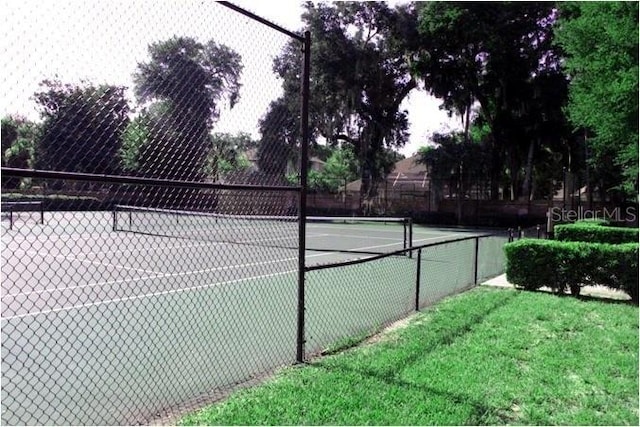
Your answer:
<point x="367" y="235"/>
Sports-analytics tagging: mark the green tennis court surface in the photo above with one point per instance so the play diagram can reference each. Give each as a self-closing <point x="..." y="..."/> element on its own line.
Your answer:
<point x="86" y="309"/>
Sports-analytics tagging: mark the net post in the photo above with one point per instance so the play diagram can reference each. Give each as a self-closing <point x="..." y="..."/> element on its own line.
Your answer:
<point x="405" y="224"/>
<point x="417" y="299"/>
<point x="10" y="217"/>
<point x="41" y="213"/>
<point x="302" y="200"/>
<point x="475" y="262"/>
<point x="115" y="219"/>
<point x="410" y="242"/>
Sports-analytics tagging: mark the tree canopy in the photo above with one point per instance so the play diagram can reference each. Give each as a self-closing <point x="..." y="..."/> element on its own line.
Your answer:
<point x="499" y="57"/>
<point x="539" y="87"/>
<point x="180" y="89"/>
<point x="358" y="80"/>
<point x="600" y="45"/>
<point x="82" y="126"/>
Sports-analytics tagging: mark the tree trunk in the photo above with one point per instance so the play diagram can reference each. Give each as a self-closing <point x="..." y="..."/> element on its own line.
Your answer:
<point x="526" y="184"/>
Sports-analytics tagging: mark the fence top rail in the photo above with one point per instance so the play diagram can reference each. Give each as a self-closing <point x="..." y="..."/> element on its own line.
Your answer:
<point x="133" y="180"/>
<point x="262" y="20"/>
<point x="20" y="203"/>
<point x="393" y="253"/>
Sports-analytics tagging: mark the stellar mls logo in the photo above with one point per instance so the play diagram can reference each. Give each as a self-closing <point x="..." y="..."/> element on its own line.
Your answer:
<point x="608" y="214"/>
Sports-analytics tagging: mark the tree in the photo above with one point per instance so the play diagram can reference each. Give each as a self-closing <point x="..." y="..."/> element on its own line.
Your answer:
<point x="358" y="80"/>
<point x="600" y="43"/>
<point x="340" y="168"/>
<point x="280" y="135"/>
<point x="496" y="56"/>
<point x="20" y="138"/>
<point x="82" y="126"/>
<point x="181" y="88"/>
<point x="136" y="136"/>
<point x="228" y="154"/>
<point x="457" y="162"/>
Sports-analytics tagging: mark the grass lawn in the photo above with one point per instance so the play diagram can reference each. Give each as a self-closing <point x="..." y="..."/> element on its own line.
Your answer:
<point x="489" y="356"/>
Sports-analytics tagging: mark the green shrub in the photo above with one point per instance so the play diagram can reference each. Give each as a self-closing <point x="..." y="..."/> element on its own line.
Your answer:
<point x="615" y="266"/>
<point x="589" y="232"/>
<point x="561" y="265"/>
<point x="593" y="221"/>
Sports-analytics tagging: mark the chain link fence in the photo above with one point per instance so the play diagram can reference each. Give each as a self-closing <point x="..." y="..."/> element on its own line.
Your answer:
<point x="140" y="142"/>
<point x="154" y="254"/>
<point x="346" y="301"/>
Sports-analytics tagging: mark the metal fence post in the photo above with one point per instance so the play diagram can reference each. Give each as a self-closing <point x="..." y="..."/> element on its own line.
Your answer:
<point x="410" y="236"/>
<point x="417" y="302"/>
<point x="302" y="211"/>
<point x="475" y="262"/>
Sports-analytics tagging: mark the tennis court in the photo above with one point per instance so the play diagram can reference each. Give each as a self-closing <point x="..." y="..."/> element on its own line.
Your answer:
<point x="77" y="258"/>
<point x="106" y="319"/>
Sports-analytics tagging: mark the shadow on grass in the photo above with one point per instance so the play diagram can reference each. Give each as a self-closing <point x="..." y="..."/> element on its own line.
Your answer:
<point x="583" y="297"/>
<point x="481" y="413"/>
<point x="605" y="300"/>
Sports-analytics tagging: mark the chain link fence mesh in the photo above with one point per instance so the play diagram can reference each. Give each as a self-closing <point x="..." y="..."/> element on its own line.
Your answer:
<point x="150" y="216"/>
<point x="491" y="258"/>
<point x="347" y="301"/>
<point x="446" y="269"/>
<point x="355" y="300"/>
<point x="126" y="301"/>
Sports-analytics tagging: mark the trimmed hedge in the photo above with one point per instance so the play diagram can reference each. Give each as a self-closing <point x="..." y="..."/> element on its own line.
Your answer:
<point x="594" y="233"/>
<point x="594" y="221"/>
<point x="561" y="265"/>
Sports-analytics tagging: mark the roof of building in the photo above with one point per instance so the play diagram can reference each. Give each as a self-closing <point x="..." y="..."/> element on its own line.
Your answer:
<point x="405" y="172"/>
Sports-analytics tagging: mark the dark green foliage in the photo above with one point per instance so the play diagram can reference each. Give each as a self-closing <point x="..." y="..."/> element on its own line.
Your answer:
<point x="615" y="266"/>
<point x="359" y="79"/>
<point x="591" y="232"/>
<point x="593" y="222"/>
<point x="183" y="85"/>
<point x="600" y="44"/>
<point x="82" y="127"/>
<point x="496" y="61"/>
<point x="561" y="265"/>
<point x="228" y="155"/>
<point x="533" y="264"/>
<point x="280" y="134"/>
<point x="20" y="138"/>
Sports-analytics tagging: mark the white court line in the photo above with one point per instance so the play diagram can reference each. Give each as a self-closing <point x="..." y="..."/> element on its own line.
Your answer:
<point x="136" y="297"/>
<point x="360" y="237"/>
<point x="340" y="227"/>
<point x="279" y="238"/>
<point x="151" y="248"/>
<point x="436" y="238"/>
<point x="159" y="276"/>
<point x="70" y="258"/>
<point x="188" y="273"/>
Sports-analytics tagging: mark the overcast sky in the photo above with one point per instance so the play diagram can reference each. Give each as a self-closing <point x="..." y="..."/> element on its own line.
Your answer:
<point x="102" y="41"/>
